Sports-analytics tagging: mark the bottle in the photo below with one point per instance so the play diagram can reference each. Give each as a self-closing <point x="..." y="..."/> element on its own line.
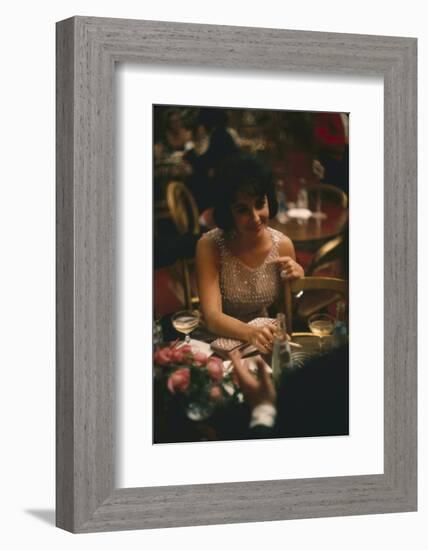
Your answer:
<point x="282" y="203"/>
<point x="340" y="331"/>
<point x="157" y="334"/>
<point x="302" y="195"/>
<point x="281" y="355"/>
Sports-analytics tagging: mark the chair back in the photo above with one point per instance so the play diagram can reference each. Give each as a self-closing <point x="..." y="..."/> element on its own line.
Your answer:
<point x="318" y="191"/>
<point x="327" y="254"/>
<point x="185" y="215"/>
<point x="183" y="209"/>
<point x="336" y="288"/>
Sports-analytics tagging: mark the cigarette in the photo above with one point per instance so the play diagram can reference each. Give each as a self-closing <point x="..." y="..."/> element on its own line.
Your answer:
<point x="295" y="345"/>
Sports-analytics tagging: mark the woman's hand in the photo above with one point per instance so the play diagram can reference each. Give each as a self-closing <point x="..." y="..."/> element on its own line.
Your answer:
<point x="289" y="268"/>
<point x="262" y="337"/>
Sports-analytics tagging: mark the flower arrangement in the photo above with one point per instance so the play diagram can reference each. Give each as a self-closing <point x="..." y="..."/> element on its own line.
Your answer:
<point x="195" y="378"/>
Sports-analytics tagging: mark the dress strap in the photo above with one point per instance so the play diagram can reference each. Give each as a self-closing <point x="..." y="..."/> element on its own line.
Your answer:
<point x="217" y="236"/>
<point x="276" y="237"/>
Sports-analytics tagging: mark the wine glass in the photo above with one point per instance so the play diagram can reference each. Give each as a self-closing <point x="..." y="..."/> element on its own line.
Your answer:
<point x="318" y="214"/>
<point x="321" y="324"/>
<point x="185" y="321"/>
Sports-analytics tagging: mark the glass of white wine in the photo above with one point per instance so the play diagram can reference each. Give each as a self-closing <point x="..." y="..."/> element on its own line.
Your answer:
<point x="185" y="321"/>
<point x="321" y="324"/>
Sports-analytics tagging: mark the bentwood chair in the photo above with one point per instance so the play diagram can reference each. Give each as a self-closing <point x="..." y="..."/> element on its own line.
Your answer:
<point x="337" y="290"/>
<point x="160" y="214"/>
<point x="324" y="191"/>
<point x="182" y="207"/>
<point x="328" y="261"/>
<point x="327" y="255"/>
<point x="185" y="215"/>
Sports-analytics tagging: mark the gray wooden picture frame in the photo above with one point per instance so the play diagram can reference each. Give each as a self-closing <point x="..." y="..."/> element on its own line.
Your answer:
<point x="87" y="51"/>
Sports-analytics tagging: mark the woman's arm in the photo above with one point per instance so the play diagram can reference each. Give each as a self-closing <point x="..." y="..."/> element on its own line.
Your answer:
<point x="286" y="260"/>
<point x="287" y="267"/>
<point x="208" y="279"/>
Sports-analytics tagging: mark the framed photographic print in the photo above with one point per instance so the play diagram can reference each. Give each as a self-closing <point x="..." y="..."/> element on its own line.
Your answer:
<point x="143" y="108"/>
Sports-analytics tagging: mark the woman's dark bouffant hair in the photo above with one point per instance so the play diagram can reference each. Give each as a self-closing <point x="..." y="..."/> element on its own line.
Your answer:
<point x="241" y="173"/>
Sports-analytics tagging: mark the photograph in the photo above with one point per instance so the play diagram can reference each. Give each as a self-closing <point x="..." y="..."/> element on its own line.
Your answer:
<point x="250" y="273"/>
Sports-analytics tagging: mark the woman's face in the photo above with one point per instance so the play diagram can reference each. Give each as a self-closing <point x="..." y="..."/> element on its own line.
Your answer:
<point x="250" y="214"/>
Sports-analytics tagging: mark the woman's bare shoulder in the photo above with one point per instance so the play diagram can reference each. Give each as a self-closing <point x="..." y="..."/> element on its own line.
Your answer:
<point x="285" y="246"/>
<point x="208" y="245"/>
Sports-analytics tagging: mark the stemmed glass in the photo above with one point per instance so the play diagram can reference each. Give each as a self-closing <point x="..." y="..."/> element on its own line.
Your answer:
<point x="321" y="324"/>
<point x="318" y="214"/>
<point x="185" y="321"/>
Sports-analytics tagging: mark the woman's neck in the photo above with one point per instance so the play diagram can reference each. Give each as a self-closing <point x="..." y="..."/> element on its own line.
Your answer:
<point x="247" y="242"/>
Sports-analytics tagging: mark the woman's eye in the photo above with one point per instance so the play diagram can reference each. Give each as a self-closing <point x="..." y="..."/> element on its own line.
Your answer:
<point x="260" y="204"/>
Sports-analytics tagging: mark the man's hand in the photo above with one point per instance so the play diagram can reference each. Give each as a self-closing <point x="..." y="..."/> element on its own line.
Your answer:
<point x="256" y="390"/>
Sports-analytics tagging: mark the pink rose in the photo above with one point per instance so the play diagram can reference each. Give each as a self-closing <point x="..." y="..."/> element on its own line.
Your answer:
<point x="215" y="368"/>
<point x="186" y="354"/>
<point x="163" y="356"/>
<point x="186" y="349"/>
<point x="179" y="380"/>
<point x="179" y="354"/>
<point x="216" y="393"/>
<point x="199" y="358"/>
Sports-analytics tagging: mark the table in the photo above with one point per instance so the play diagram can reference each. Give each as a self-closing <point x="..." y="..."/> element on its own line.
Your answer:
<point x="228" y="422"/>
<point x="312" y="233"/>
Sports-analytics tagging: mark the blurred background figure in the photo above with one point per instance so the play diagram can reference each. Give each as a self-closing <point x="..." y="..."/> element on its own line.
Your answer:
<point x="213" y="142"/>
<point x="174" y="136"/>
<point x="331" y="144"/>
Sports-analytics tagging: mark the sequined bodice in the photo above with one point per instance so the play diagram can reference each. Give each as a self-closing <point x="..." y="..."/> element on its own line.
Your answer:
<point x="247" y="292"/>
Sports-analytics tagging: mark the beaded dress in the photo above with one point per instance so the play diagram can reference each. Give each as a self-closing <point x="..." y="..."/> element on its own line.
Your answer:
<point x="247" y="292"/>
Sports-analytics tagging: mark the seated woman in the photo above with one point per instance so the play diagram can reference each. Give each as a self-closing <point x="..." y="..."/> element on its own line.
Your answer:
<point x="241" y="262"/>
